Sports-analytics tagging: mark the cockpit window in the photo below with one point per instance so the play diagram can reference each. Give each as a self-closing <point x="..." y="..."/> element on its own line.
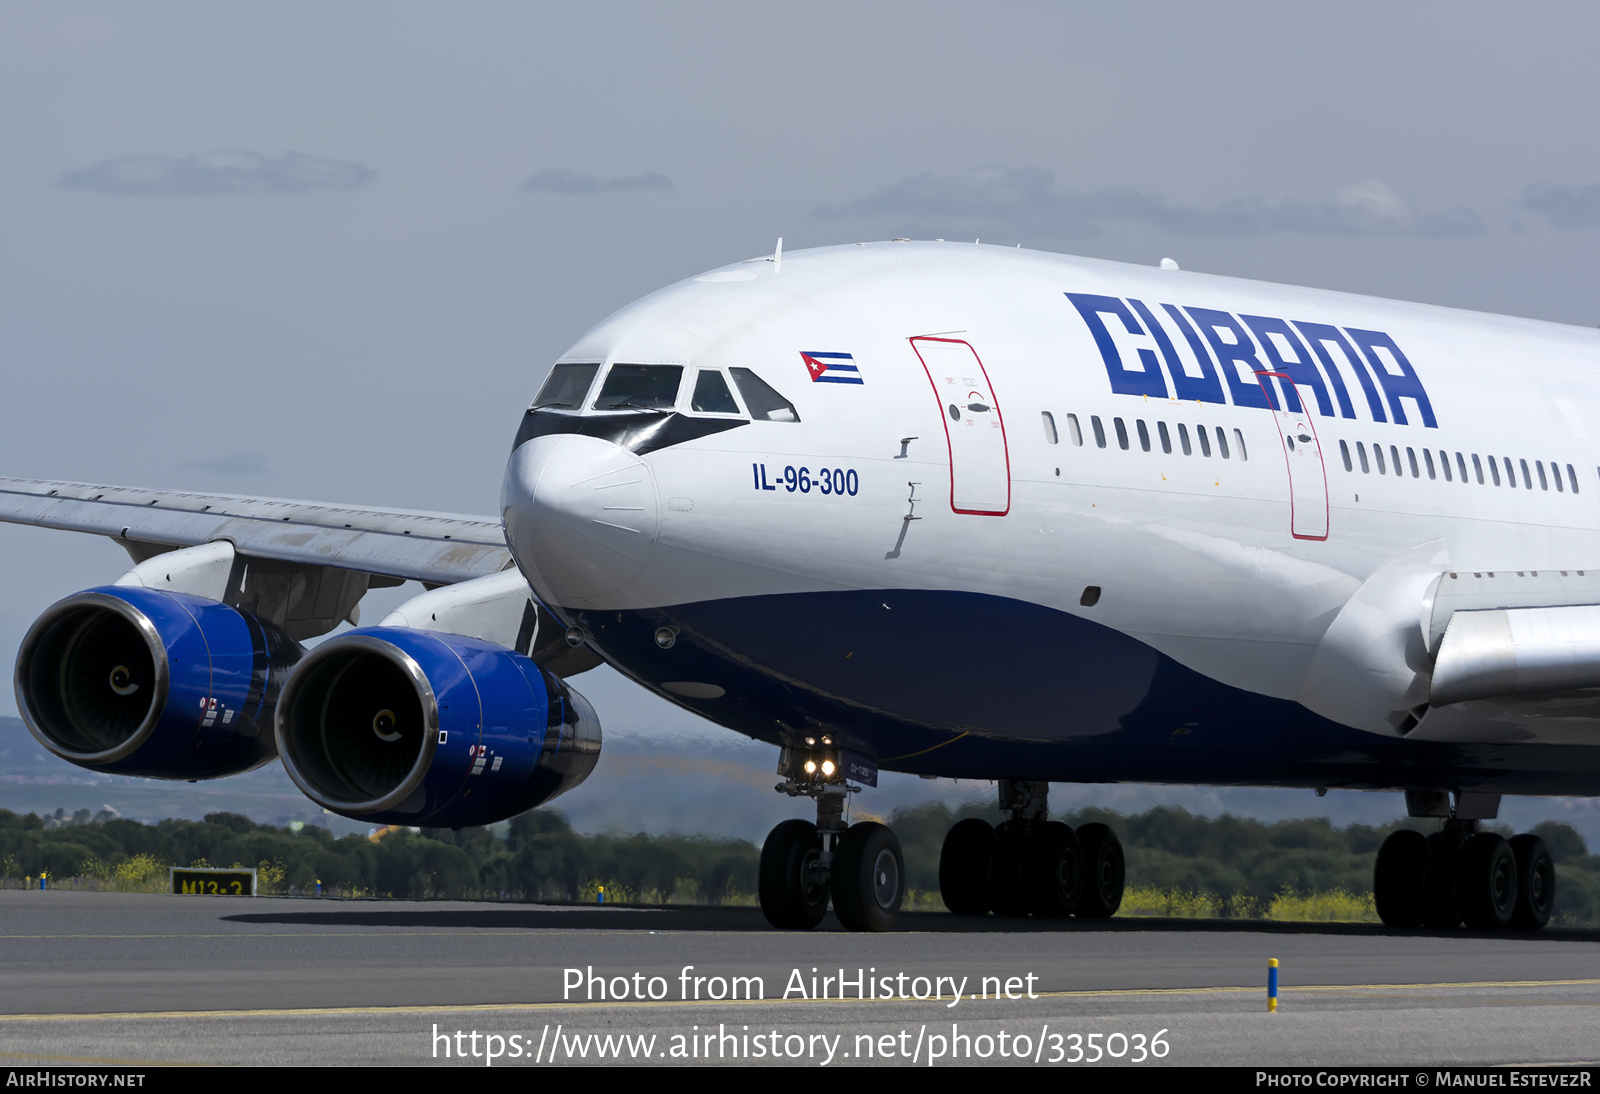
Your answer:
<point x="711" y="394"/>
<point x="640" y="387"/>
<point x="566" y="387"/>
<point x="765" y="404"/>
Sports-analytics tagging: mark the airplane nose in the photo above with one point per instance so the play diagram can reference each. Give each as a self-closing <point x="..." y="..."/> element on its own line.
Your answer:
<point x="581" y="515"/>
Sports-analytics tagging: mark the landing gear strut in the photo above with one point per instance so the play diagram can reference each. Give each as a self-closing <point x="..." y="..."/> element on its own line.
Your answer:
<point x="1030" y="864"/>
<point x="803" y="864"/>
<point x="1460" y="874"/>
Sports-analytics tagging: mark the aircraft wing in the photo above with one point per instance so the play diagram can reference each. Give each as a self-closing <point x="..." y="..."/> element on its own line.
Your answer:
<point x="436" y="548"/>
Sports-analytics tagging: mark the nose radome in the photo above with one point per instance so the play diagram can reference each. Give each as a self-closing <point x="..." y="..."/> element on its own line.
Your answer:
<point x="581" y="515"/>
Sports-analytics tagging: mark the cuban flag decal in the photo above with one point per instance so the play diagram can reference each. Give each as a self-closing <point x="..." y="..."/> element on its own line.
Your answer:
<point x="831" y="368"/>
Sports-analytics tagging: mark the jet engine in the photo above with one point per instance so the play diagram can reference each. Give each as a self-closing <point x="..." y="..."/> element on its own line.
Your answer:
<point x="402" y="726"/>
<point x="138" y="681"/>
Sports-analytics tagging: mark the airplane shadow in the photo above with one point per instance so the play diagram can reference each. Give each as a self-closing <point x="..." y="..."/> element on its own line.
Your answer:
<point x="681" y="918"/>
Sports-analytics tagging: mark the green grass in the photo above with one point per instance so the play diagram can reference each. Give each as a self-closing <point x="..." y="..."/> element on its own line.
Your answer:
<point x="1333" y="906"/>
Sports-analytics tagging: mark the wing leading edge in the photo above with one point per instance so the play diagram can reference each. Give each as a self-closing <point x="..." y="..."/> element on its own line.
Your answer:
<point x="435" y="548"/>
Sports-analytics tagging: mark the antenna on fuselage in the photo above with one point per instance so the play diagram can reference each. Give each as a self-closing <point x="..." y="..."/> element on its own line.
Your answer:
<point x="777" y="257"/>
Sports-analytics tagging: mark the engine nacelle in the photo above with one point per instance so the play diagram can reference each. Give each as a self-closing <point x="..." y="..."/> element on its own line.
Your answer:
<point x="135" y="681"/>
<point x="402" y="726"/>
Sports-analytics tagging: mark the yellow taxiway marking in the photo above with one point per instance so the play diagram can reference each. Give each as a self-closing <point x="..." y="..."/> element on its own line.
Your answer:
<point x="474" y="1008"/>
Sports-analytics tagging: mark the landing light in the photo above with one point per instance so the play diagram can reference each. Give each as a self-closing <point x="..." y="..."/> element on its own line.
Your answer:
<point x="815" y="763"/>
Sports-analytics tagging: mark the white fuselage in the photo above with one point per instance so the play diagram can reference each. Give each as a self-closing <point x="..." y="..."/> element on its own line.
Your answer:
<point x="1232" y="565"/>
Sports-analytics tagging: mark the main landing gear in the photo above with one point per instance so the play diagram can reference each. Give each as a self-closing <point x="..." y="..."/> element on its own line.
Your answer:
<point x="803" y="864"/>
<point x="1030" y="864"/>
<point x="1460" y="874"/>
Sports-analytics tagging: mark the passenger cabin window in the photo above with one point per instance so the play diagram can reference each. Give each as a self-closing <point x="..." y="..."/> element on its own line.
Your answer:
<point x="1050" y="435"/>
<point x="1222" y="442"/>
<point x="1074" y="431"/>
<point x="1183" y="439"/>
<point x="1099" y="431"/>
<point x="566" y="387"/>
<point x="1144" y="434"/>
<point x="640" y="387"/>
<point x="711" y="394"/>
<point x="1344" y="450"/>
<point x="765" y="403"/>
<point x="1122" y="434"/>
<point x="1205" y="442"/>
<point x="1238" y="438"/>
<point x="1166" y="438"/>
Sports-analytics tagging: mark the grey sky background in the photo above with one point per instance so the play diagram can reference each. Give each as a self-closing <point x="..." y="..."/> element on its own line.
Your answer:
<point x="328" y="251"/>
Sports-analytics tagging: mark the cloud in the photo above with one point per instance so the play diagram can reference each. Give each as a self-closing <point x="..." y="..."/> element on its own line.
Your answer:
<point x="1028" y="200"/>
<point x="1564" y="206"/>
<point x="564" y="180"/>
<point x="228" y="171"/>
<point x="1371" y="209"/>
<point x="233" y="465"/>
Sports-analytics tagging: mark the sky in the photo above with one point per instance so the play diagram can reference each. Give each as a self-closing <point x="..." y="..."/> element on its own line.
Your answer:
<point x="329" y="251"/>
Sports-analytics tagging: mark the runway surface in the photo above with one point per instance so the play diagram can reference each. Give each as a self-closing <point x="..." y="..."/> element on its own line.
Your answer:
<point x="137" y="979"/>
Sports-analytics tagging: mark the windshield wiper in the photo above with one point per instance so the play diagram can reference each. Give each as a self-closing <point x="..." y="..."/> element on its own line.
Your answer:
<point x="637" y="406"/>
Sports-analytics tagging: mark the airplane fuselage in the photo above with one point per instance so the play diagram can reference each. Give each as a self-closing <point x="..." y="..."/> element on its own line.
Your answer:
<point x="1031" y="516"/>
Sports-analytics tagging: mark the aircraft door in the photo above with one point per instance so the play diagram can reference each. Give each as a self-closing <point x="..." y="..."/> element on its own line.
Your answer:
<point x="980" y="467"/>
<point x="1302" y="451"/>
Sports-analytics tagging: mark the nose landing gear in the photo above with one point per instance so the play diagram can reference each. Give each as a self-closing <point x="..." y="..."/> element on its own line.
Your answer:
<point x="1029" y="864"/>
<point x="803" y="865"/>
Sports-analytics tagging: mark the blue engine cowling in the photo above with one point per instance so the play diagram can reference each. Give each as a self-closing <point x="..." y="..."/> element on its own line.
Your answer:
<point x="400" y="726"/>
<point x="136" y="681"/>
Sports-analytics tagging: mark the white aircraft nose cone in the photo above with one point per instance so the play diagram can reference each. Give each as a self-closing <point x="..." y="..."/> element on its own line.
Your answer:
<point x="581" y="515"/>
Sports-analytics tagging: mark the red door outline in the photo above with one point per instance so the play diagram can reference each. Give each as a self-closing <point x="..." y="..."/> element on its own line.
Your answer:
<point x="994" y="404"/>
<point x="1290" y="458"/>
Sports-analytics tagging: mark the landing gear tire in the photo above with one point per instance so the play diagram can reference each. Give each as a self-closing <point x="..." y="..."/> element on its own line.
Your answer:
<point x="1439" y="907"/>
<point x="868" y="878"/>
<point x="1055" y="870"/>
<point x="966" y="862"/>
<point x="793" y="890"/>
<point x="1536" y="883"/>
<point x="1397" y="879"/>
<point x="1104" y="870"/>
<point x="1009" y="876"/>
<point x="1486" y="882"/>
